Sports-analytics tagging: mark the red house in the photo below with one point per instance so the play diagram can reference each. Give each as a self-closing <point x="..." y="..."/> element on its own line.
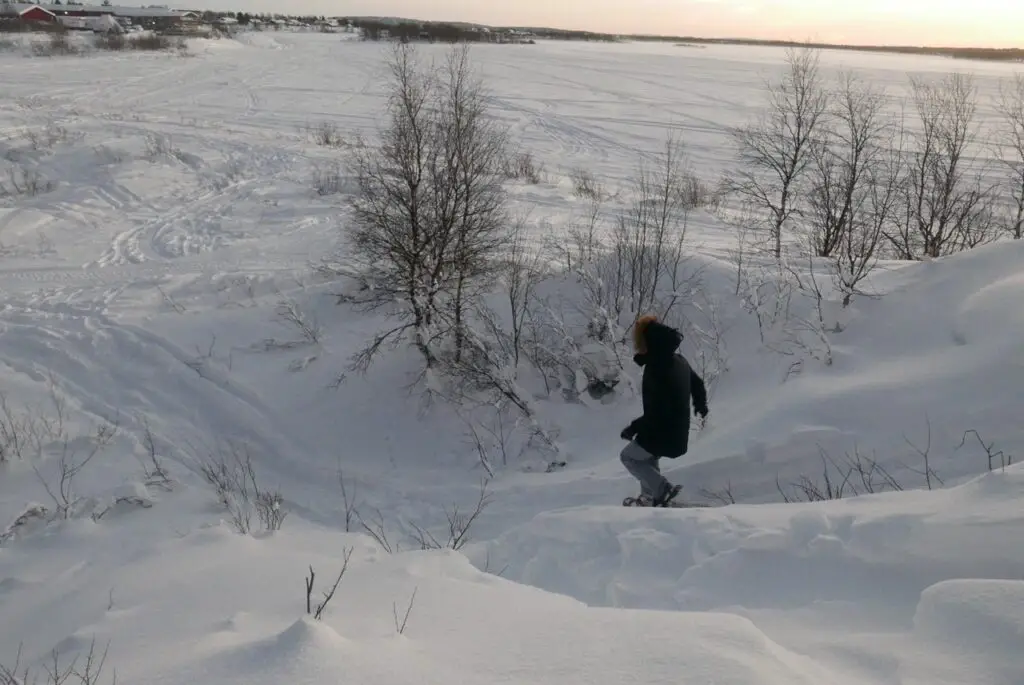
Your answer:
<point x="31" y="13"/>
<point x="37" y="13"/>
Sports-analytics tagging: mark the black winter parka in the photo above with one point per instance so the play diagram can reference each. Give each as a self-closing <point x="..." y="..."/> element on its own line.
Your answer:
<point x="667" y="386"/>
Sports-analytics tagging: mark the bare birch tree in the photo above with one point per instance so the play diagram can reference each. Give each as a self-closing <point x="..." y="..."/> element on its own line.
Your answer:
<point x="855" y="179"/>
<point x="775" y="151"/>
<point x="1010" y="107"/>
<point x="648" y="238"/>
<point x="946" y="207"/>
<point x="842" y="165"/>
<point x="429" y="215"/>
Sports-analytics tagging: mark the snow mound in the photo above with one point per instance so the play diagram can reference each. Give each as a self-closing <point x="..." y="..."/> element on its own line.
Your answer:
<point x="213" y="606"/>
<point x="938" y="356"/>
<point x="884" y="548"/>
<point x="844" y="581"/>
<point x="308" y="651"/>
<point x="977" y="629"/>
<point x="993" y="313"/>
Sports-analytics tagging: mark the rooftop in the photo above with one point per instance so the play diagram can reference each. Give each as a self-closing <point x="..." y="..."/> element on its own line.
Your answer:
<point x="19" y="7"/>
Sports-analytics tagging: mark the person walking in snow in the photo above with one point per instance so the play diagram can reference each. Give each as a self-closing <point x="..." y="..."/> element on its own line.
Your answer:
<point x="668" y="384"/>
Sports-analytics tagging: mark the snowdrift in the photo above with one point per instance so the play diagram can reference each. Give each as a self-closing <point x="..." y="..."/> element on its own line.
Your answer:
<point x="934" y="363"/>
<point x="923" y="586"/>
<point x="212" y="606"/>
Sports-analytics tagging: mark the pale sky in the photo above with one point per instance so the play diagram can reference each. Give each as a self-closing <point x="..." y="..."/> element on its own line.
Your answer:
<point x="995" y="23"/>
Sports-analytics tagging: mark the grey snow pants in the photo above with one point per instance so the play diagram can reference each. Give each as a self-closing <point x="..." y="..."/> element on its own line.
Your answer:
<point x="644" y="466"/>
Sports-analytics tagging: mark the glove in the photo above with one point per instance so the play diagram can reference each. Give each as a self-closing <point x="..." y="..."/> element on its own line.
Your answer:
<point x="702" y="412"/>
<point x="628" y="433"/>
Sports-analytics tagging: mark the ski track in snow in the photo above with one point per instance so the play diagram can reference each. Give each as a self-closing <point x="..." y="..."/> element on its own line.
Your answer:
<point x="145" y="284"/>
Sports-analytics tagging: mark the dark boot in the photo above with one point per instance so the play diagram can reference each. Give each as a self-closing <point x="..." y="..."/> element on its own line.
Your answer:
<point x="666" y="497"/>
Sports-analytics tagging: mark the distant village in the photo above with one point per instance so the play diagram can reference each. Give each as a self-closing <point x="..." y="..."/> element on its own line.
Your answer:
<point x="110" y="18"/>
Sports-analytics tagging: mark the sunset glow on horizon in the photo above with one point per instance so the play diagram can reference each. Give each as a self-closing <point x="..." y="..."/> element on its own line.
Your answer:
<point x="981" y="23"/>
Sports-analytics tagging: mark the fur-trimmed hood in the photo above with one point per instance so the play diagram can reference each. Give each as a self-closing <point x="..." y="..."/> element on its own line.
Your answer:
<point x="654" y="340"/>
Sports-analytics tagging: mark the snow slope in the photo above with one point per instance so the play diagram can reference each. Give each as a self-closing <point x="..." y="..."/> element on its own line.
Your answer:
<point x="875" y="586"/>
<point x="144" y="288"/>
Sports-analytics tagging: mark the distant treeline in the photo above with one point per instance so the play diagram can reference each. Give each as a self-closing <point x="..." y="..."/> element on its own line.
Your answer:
<point x="562" y="34"/>
<point x="455" y="33"/>
<point x="999" y="54"/>
<point x="436" y="32"/>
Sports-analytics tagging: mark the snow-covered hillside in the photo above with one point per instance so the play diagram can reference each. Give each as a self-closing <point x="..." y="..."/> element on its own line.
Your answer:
<point x="159" y="280"/>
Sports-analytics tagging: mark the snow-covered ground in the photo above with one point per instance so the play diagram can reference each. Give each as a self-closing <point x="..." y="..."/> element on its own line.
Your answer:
<point x="143" y="288"/>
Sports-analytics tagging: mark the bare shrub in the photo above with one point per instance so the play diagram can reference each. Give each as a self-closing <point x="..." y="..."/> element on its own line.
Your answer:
<point x="233" y="477"/>
<point x="521" y="272"/>
<point x="156" y="475"/>
<point x="327" y="180"/>
<point x="708" y="329"/>
<point x="522" y="166"/>
<point x="767" y="294"/>
<point x="460" y="524"/>
<point x="945" y="206"/>
<point x="429" y="214"/>
<point x="377" y="530"/>
<point x="305" y="324"/>
<point x="56" y="671"/>
<point x="155" y="42"/>
<point x="486" y="367"/>
<point x="723" y="496"/>
<point x="48" y="137"/>
<point x="1010" y="151"/>
<point x="695" y="193"/>
<point x="834" y="483"/>
<point x="318" y="611"/>
<point x="158" y="145"/>
<point x="25" y="434"/>
<point x="25" y="182"/>
<point x="326" y="134"/>
<point x="56" y="45"/>
<point x="70" y="464"/>
<point x="486" y="439"/>
<point x="32" y="514"/>
<point x="854" y="475"/>
<point x="585" y="185"/>
<point x="637" y="267"/>
<point x="872" y="475"/>
<point x="111" y="40"/>
<point x="805" y="336"/>
<point x="775" y="152"/>
<point x="579" y="243"/>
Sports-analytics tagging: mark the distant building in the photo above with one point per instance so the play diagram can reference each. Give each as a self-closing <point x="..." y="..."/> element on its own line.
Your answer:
<point x="33" y="13"/>
<point x="147" y="17"/>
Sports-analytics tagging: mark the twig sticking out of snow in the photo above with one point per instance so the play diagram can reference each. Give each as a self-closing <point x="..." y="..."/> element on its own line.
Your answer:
<point x="459" y="525"/>
<point x="400" y="627"/>
<point x="376" y="530"/>
<point x="349" y="502"/>
<point x="991" y="452"/>
<point x="318" y="612"/>
<point x="925" y="454"/>
<point x="90" y="672"/>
